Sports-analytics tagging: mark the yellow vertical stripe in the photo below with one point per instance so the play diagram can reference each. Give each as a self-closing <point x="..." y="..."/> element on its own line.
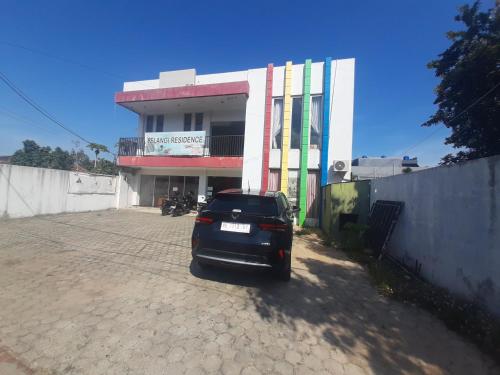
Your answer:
<point x="287" y="121"/>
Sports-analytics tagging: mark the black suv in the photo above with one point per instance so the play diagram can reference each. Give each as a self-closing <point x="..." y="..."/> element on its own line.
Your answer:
<point x="246" y="228"/>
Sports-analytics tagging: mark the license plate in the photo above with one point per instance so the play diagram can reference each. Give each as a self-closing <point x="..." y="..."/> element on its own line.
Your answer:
<point x="235" y="227"/>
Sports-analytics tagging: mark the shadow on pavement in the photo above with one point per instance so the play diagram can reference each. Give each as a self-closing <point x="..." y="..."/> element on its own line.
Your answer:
<point x="233" y="275"/>
<point x="335" y="297"/>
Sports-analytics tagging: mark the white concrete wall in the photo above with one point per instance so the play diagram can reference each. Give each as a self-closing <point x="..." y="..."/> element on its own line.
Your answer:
<point x="313" y="161"/>
<point x="450" y="226"/>
<point x="254" y="129"/>
<point x="141" y="85"/>
<point x="341" y="114"/>
<point x="128" y="190"/>
<point x="201" y="79"/>
<point x="27" y="191"/>
<point x="317" y="78"/>
<point x="205" y="79"/>
<point x="298" y="79"/>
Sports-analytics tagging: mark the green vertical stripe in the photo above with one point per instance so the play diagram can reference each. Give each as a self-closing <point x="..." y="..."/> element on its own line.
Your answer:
<point x="304" y="146"/>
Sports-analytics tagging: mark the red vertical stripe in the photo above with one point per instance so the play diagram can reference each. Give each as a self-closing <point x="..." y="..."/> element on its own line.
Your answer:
<point x="267" y="127"/>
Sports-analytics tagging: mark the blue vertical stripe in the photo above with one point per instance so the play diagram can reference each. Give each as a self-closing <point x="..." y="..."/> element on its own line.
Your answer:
<point x="326" y="120"/>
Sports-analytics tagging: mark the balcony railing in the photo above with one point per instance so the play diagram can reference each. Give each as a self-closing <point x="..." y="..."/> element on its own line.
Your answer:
<point x="215" y="145"/>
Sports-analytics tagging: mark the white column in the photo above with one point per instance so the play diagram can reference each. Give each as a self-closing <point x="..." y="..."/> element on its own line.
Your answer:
<point x="254" y="129"/>
<point x="202" y="186"/>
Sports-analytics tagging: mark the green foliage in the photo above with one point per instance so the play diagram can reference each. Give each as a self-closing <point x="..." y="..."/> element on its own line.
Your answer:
<point x="105" y="166"/>
<point x="81" y="160"/>
<point x="407" y="170"/>
<point x="33" y="155"/>
<point x="468" y="96"/>
<point x="97" y="148"/>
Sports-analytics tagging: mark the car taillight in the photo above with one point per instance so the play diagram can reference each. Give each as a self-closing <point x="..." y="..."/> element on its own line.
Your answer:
<point x="204" y="220"/>
<point x="273" y="227"/>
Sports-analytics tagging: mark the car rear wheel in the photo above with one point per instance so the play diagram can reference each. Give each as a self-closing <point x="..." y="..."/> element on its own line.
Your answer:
<point x="284" y="273"/>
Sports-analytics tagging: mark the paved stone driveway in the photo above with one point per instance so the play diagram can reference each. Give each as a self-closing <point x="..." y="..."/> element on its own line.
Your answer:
<point x="114" y="292"/>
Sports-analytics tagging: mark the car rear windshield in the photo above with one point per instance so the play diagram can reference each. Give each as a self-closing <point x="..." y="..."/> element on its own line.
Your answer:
<point x="248" y="204"/>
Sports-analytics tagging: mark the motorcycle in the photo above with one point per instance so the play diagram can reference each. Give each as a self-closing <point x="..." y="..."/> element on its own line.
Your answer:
<point x="185" y="205"/>
<point x="169" y="205"/>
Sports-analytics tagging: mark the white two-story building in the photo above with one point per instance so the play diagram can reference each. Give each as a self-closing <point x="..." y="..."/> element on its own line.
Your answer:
<point x="283" y="128"/>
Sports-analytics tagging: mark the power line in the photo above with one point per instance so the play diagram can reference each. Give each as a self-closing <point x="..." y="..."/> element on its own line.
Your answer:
<point x="38" y="108"/>
<point x="45" y="126"/>
<point x="454" y="118"/>
<point x="74" y="62"/>
<point x="26" y="121"/>
<point x="63" y="59"/>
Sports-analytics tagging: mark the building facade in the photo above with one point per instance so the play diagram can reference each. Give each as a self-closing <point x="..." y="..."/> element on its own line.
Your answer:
<point x="285" y="128"/>
<point x="368" y="168"/>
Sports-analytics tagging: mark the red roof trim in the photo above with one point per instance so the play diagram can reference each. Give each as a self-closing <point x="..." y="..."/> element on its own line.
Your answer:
<point x="181" y="162"/>
<point x="214" y="89"/>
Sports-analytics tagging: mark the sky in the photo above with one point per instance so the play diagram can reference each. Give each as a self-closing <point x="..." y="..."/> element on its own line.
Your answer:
<point x="72" y="56"/>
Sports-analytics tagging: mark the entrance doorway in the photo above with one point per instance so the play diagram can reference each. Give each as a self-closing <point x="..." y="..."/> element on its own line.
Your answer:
<point x="168" y="186"/>
<point x="216" y="184"/>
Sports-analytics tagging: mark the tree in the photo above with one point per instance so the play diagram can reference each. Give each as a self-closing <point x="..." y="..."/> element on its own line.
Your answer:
<point x="468" y="96"/>
<point x="105" y="166"/>
<point x="32" y="155"/>
<point x="81" y="160"/>
<point x="60" y="159"/>
<point x="407" y="170"/>
<point x="97" y="148"/>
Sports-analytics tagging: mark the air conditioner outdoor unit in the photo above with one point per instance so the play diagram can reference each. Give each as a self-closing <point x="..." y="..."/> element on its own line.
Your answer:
<point x="341" y="165"/>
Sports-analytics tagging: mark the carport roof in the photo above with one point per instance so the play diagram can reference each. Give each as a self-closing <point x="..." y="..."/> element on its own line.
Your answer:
<point x="184" y="92"/>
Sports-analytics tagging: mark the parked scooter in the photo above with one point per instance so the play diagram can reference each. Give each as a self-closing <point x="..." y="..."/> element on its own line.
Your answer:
<point x="169" y="205"/>
<point x="185" y="205"/>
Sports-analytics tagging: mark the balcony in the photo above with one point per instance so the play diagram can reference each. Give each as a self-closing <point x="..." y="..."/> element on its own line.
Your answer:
<point x="222" y="151"/>
<point x="219" y="145"/>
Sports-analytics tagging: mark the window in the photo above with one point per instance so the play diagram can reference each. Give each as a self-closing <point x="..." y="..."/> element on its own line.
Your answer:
<point x="149" y="123"/>
<point x="248" y="204"/>
<point x="198" y="122"/>
<point x="316" y="121"/>
<point x="187" y="122"/>
<point x="293" y="185"/>
<point x="159" y="123"/>
<point x="277" y="123"/>
<point x="274" y="180"/>
<point x="296" y="122"/>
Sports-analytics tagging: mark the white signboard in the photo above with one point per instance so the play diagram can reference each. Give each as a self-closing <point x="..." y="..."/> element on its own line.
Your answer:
<point x="174" y="143"/>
